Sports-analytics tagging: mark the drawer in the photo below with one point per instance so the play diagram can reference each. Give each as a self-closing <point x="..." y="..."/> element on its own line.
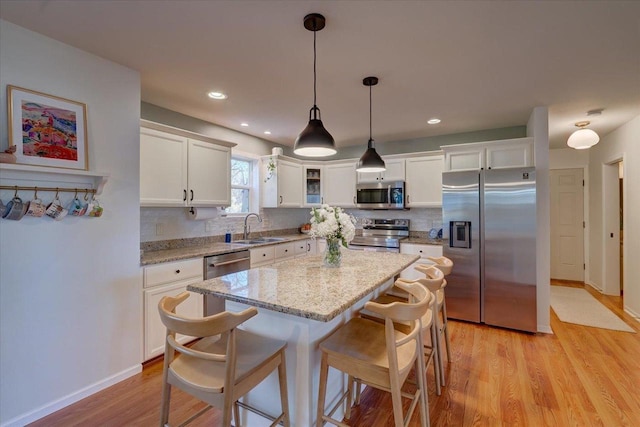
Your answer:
<point x="263" y="255"/>
<point x="170" y="272"/>
<point x="301" y="247"/>
<point x="285" y="251"/>
<point x="422" y="250"/>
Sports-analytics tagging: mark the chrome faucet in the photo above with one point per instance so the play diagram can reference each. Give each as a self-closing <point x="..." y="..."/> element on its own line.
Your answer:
<point x="247" y="229"/>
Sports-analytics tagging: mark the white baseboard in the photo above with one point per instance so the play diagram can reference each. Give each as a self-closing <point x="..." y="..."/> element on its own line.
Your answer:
<point x="545" y="329"/>
<point x="69" y="399"/>
<point x="632" y="313"/>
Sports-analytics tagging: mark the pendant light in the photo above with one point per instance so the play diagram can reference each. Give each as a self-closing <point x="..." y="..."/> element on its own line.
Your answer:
<point x="583" y="138"/>
<point x="314" y="140"/>
<point x="370" y="160"/>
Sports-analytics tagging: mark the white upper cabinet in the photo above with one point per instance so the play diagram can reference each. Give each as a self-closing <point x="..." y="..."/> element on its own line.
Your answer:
<point x="424" y="181"/>
<point x="509" y="153"/>
<point x="177" y="169"/>
<point x="281" y="183"/>
<point x="313" y="179"/>
<point x="340" y="184"/>
<point x="395" y="172"/>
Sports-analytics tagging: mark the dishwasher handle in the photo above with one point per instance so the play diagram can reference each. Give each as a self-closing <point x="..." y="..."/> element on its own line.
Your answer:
<point x="218" y="264"/>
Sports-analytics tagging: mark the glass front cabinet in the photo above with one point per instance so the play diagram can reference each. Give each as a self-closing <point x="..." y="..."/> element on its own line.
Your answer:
<point x="313" y="175"/>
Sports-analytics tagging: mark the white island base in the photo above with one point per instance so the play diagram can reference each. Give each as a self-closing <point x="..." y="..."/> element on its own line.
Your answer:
<point x="303" y="364"/>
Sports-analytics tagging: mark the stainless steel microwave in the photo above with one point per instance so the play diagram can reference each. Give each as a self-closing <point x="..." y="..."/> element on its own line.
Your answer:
<point x="380" y="195"/>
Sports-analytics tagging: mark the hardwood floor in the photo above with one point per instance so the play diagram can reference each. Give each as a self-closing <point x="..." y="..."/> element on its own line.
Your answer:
<point x="580" y="376"/>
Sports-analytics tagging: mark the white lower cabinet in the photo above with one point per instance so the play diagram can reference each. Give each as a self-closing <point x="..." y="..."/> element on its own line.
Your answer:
<point x="169" y="279"/>
<point x="417" y="249"/>
<point x="267" y="255"/>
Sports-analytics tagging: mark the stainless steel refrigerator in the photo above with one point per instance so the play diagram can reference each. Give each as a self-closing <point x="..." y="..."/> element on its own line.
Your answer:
<point x="490" y="234"/>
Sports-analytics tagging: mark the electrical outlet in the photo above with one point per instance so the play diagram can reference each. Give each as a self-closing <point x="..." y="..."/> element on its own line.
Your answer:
<point x="208" y="227"/>
<point x="159" y="229"/>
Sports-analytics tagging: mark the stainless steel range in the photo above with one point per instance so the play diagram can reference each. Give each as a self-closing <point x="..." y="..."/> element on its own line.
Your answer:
<point x="381" y="235"/>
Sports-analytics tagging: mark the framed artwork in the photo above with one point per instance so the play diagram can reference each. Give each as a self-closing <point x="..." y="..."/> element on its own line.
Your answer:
<point x="47" y="130"/>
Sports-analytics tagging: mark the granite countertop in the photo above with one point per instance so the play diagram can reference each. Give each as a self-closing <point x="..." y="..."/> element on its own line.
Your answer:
<point x="215" y="248"/>
<point x="423" y="241"/>
<point x="304" y="287"/>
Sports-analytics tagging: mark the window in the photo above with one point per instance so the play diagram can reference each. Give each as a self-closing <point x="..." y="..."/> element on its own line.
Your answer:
<point x="241" y="171"/>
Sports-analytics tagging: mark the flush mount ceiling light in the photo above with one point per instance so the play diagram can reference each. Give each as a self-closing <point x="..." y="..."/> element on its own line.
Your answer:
<point x="217" y="95"/>
<point x="583" y="138"/>
<point x="434" y="121"/>
<point x="314" y="140"/>
<point x="370" y="160"/>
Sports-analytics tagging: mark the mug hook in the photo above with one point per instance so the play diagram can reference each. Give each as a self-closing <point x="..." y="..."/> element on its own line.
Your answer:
<point x="15" y="194"/>
<point x="57" y="191"/>
<point x="86" y="194"/>
<point x="35" y="195"/>
<point x="75" y="194"/>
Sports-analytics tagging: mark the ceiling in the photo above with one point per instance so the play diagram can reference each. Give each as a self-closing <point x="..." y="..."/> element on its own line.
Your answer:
<point x="475" y="65"/>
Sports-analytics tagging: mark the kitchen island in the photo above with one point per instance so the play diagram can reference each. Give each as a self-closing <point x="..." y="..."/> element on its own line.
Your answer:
<point x="302" y="302"/>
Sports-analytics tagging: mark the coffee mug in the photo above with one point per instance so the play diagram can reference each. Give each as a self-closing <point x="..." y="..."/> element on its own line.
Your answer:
<point x="77" y="208"/>
<point x="36" y="208"/>
<point x="55" y="210"/>
<point x="15" y="209"/>
<point x="96" y="209"/>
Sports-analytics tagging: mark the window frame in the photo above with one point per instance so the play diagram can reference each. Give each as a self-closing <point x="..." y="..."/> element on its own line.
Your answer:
<point x="253" y="186"/>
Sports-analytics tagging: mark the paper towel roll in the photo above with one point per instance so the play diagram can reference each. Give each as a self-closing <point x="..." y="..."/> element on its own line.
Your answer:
<point x="202" y="213"/>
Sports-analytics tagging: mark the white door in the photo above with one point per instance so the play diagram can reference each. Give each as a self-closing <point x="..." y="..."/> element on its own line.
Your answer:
<point x="209" y="174"/>
<point x="567" y="227"/>
<point x="340" y="185"/>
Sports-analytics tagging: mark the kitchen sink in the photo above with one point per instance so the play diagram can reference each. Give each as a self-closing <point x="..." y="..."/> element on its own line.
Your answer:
<point x="259" y="240"/>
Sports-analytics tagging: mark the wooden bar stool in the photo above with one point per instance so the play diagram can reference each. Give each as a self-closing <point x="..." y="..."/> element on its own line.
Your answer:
<point x="223" y="365"/>
<point x="380" y="356"/>
<point x="445" y="265"/>
<point x="432" y="352"/>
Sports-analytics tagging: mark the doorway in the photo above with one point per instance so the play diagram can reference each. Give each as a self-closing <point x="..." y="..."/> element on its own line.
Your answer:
<point x="567" y="224"/>
<point x="613" y="224"/>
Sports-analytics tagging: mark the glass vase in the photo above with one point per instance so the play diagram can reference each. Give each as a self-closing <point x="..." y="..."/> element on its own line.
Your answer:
<point x="332" y="254"/>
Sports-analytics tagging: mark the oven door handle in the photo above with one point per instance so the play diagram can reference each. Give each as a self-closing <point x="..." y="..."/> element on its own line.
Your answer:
<point x="229" y="262"/>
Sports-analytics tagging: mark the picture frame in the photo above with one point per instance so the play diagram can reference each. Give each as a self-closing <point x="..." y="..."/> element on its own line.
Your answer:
<point x="47" y="130"/>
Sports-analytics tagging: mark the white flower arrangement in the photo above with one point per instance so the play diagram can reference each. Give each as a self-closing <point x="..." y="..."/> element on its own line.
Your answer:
<point x="332" y="223"/>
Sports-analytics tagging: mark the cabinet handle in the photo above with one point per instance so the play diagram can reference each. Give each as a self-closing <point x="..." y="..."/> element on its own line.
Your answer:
<point x="191" y="200"/>
<point x="354" y="200"/>
<point x="264" y="254"/>
<point x="407" y="199"/>
<point x="184" y="195"/>
<point x="321" y="199"/>
<point x="420" y="251"/>
<point x="286" y="250"/>
<point x="308" y="247"/>
<point x="280" y="199"/>
<point x="177" y="271"/>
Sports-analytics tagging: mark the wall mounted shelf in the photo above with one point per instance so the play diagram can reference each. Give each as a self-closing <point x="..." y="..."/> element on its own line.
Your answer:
<point x="12" y="175"/>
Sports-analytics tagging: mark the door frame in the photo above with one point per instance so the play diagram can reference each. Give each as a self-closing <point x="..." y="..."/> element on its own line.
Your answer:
<point x="611" y="213"/>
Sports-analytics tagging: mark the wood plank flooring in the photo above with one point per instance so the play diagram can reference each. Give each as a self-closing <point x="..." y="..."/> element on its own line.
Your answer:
<point x="580" y="376"/>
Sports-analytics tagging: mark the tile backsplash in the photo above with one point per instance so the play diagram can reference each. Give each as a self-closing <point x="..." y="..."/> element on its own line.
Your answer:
<point x="158" y="224"/>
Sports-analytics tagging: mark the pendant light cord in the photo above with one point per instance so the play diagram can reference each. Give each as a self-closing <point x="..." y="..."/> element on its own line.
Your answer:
<point x="314" y="71"/>
<point x="370" y="102"/>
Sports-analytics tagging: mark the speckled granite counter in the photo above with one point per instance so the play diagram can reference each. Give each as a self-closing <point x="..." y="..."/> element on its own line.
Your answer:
<point x="303" y="287"/>
<point x="216" y="248"/>
<point x="423" y="241"/>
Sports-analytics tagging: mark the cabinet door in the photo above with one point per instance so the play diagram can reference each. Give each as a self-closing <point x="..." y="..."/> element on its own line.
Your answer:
<point x="395" y="170"/>
<point x="510" y="154"/>
<point x="424" y="181"/>
<point x="471" y="159"/>
<point x="285" y="251"/>
<point x="312" y="185"/>
<point x="209" y="174"/>
<point x="289" y="176"/>
<point x="163" y="168"/>
<point x="340" y="185"/>
<point x="154" y="330"/>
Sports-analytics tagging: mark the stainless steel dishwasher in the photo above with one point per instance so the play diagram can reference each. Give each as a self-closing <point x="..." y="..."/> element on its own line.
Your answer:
<point x="219" y="265"/>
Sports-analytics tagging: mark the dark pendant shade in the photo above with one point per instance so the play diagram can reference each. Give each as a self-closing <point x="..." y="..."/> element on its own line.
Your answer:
<point x="371" y="160"/>
<point x="314" y="140"/>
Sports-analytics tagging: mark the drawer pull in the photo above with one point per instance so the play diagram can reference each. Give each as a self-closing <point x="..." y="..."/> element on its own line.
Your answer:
<point x="177" y="271"/>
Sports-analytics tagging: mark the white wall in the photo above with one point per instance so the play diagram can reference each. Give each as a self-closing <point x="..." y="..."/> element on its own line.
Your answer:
<point x="538" y="128"/>
<point x="70" y="293"/>
<point x="624" y="142"/>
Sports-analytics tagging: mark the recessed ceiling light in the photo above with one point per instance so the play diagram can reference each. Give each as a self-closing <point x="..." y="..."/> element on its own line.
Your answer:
<point x="434" y="121"/>
<point x="244" y="125"/>
<point x="267" y="132"/>
<point x="217" y="95"/>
